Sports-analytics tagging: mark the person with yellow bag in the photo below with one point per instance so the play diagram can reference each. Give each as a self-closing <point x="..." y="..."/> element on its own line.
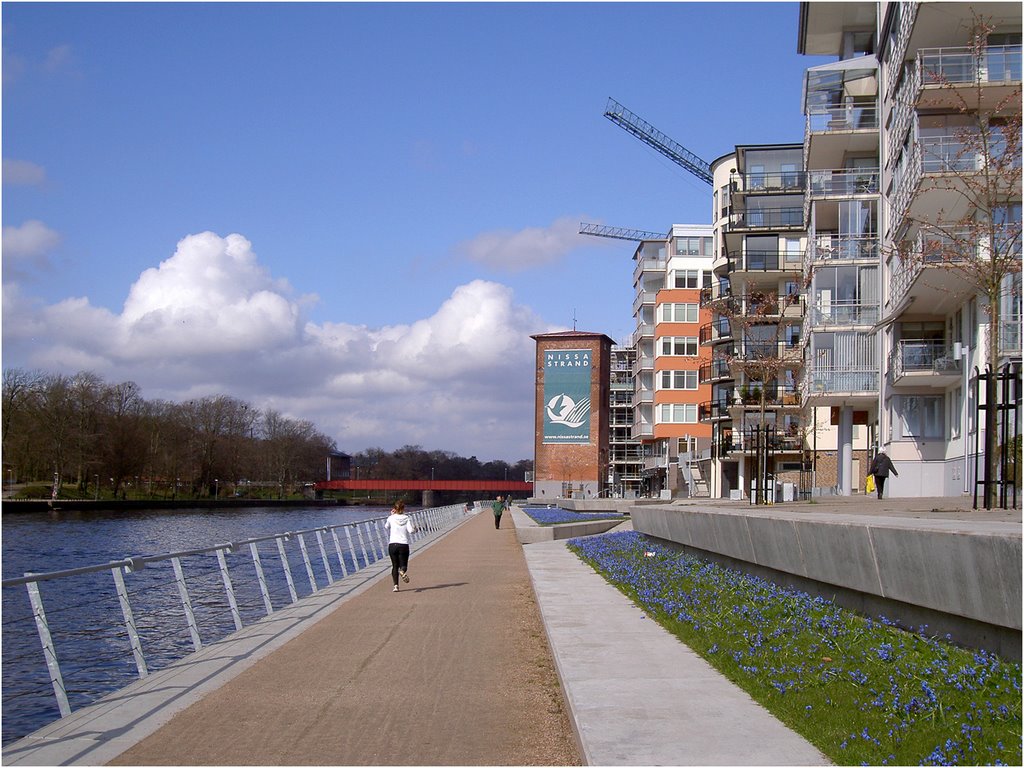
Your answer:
<point x="869" y="484"/>
<point x="879" y="471"/>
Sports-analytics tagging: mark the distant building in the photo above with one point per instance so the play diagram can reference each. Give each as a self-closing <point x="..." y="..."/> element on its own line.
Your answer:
<point x="625" y="458"/>
<point x="571" y="443"/>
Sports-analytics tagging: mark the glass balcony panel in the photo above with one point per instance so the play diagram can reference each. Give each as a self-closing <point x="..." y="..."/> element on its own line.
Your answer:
<point x="830" y="119"/>
<point x="995" y="64"/>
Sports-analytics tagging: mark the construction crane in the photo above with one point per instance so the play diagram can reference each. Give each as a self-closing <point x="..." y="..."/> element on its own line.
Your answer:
<point x="651" y="136"/>
<point x="620" y="233"/>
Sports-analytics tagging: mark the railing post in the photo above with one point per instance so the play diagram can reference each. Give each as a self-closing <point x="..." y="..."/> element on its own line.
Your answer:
<point x="49" y="652"/>
<point x="228" y="589"/>
<point x="309" y="566"/>
<point x="362" y="544"/>
<point x="287" y="569"/>
<point x="264" y="590"/>
<point x="323" y="556"/>
<point x="337" y="548"/>
<point x="186" y="603"/>
<point x="129" y="622"/>
<point x="352" y="548"/>
<point x="379" y="531"/>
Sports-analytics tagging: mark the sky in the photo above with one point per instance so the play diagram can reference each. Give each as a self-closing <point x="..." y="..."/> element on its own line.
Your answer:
<point x="357" y="214"/>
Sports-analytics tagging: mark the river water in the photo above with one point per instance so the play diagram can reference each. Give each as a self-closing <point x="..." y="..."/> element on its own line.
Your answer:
<point x="83" y="612"/>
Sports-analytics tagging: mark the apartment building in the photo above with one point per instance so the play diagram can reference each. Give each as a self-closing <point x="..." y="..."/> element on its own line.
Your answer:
<point x="894" y="335"/>
<point x="668" y="395"/>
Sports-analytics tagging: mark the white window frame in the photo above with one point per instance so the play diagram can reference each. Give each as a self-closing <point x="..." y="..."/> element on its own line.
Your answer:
<point x="688" y="378"/>
<point x="671" y="342"/>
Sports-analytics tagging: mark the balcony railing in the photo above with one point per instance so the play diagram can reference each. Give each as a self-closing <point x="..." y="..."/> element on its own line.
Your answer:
<point x="821" y="379"/>
<point x="825" y="248"/>
<point x="833" y="119"/>
<point x="842" y="182"/>
<point x="765" y="261"/>
<point x="994" y="64"/>
<point x="842" y="313"/>
<point x="750" y="352"/>
<point x="717" y="369"/>
<point x="750" y="395"/>
<point x="768" y="218"/>
<point x="762" y="182"/>
<point x="922" y="356"/>
<point x="719" y="329"/>
<point x="1010" y="337"/>
<point x="714" y="409"/>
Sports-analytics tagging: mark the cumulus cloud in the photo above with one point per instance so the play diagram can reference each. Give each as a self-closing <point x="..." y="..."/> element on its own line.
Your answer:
<point x="22" y="173"/>
<point x="210" y="319"/>
<point x="524" y="249"/>
<point x="28" y="245"/>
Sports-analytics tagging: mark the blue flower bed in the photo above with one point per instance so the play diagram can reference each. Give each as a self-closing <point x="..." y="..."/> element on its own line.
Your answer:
<point x="556" y="515"/>
<point x="862" y="690"/>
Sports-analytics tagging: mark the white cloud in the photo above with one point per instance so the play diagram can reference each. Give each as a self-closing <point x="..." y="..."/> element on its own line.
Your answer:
<point x="28" y="245"/>
<point x="22" y="173"/>
<point x="525" y="249"/>
<point x="211" y="320"/>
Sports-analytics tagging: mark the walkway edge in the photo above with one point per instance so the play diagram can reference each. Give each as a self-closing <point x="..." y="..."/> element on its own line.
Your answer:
<point x="670" y="706"/>
<point x="98" y="733"/>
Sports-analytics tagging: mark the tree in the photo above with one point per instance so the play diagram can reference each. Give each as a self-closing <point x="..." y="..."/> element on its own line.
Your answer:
<point x="972" y="170"/>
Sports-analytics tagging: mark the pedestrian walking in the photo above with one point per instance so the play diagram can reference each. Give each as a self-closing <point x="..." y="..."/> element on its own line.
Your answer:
<point x="400" y="530"/>
<point x="498" y="506"/>
<point x="880" y="468"/>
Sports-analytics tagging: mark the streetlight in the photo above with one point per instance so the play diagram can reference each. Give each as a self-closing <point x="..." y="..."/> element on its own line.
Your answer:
<point x="216" y="486"/>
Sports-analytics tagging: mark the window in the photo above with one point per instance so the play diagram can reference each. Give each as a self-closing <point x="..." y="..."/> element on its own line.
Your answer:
<point x="678" y="346"/>
<point x="677" y="413"/>
<point x="688" y="246"/>
<point x="678" y="380"/>
<point x="679" y="313"/>
<point x="919" y="416"/>
<point x="956" y="405"/>
<point x="686" y="278"/>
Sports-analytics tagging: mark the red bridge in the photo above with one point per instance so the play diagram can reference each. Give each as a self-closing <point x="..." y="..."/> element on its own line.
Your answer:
<point x="425" y="485"/>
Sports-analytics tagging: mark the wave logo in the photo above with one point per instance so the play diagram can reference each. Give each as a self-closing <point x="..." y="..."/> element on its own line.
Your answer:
<point x="562" y="409"/>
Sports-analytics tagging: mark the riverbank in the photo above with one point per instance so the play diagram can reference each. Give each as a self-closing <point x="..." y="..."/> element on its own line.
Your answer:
<point x="15" y="506"/>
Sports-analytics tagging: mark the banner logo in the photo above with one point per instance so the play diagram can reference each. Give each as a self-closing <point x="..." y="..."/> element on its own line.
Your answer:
<point x="567" y="406"/>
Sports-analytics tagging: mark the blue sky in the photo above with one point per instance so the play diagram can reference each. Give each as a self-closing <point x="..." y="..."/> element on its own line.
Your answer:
<point x="357" y="213"/>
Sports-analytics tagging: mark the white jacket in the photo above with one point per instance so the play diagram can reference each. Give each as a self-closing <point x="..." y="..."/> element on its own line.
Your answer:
<point x="400" y="528"/>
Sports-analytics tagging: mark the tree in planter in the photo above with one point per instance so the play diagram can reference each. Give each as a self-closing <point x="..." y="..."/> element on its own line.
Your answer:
<point x="974" y="171"/>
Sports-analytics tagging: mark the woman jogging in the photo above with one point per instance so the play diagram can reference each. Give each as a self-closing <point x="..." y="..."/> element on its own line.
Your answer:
<point x="400" y="530"/>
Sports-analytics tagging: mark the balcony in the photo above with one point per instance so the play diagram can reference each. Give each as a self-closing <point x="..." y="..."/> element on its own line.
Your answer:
<point x="768" y="306"/>
<point x="767" y="219"/>
<point x="641" y="431"/>
<point x="749" y="395"/>
<point x="751" y="439"/>
<point x="840" y="385"/>
<point x="715" y="371"/>
<point x="643" y="362"/>
<point x="713" y="333"/>
<point x="762" y="183"/>
<point x="755" y="356"/>
<point x="844" y="182"/>
<point x="643" y="396"/>
<point x="945" y="73"/>
<point x="830" y="133"/>
<point x="929" y="276"/>
<point x="1009" y="337"/>
<point x="648" y="264"/>
<point x="644" y="331"/>
<point x="766" y="261"/>
<point x="922" y="362"/>
<point x="824" y="248"/>
<point x="714" y="410"/>
<point x="644" y="298"/>
<point x="841" y="314"/>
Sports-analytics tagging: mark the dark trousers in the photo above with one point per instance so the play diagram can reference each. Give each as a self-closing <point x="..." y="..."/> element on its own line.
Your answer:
<point x="497" y="521"/>
<point x="880" y="483"/>
<point x="399" y="554"/>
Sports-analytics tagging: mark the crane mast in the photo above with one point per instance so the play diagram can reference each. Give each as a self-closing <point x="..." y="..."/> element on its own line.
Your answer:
<point x="651" y="136"/>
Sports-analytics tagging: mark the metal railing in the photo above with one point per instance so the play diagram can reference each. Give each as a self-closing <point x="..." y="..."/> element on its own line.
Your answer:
<point x="842" y="118"/>
<point x="922" y="356"/>
<point x="768" y="218"/>
<point x="993" y="64"/>
<point x="214" y="602"/>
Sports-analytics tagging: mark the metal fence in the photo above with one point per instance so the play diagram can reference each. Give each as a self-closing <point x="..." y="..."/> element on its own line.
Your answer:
<point x="163" y="607"/>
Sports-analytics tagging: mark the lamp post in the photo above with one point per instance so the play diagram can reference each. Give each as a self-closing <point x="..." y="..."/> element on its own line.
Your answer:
<point x="216" y="490"/>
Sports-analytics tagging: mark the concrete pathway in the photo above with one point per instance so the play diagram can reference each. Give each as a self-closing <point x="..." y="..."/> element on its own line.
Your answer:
<point x="636" y="694"/>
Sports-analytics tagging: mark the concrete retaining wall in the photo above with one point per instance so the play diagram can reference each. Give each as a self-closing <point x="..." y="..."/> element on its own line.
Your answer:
<point x="961" y="578"/>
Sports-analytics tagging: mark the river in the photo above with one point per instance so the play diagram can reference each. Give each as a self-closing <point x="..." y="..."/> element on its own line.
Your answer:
<point x="83" y="612"/>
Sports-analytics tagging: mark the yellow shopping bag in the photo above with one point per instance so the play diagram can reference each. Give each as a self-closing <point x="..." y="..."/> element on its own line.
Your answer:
<point x="869" y="485"/>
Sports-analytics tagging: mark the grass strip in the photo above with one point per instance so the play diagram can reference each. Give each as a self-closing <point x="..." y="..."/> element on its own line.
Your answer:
<point x="862" y="690"/>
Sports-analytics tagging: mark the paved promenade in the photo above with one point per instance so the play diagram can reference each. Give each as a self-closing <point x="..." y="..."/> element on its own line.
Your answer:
<point x="455" y="669"/>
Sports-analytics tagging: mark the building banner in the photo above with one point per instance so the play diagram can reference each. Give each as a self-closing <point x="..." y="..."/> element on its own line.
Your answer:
<point x="567" y="395"/>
